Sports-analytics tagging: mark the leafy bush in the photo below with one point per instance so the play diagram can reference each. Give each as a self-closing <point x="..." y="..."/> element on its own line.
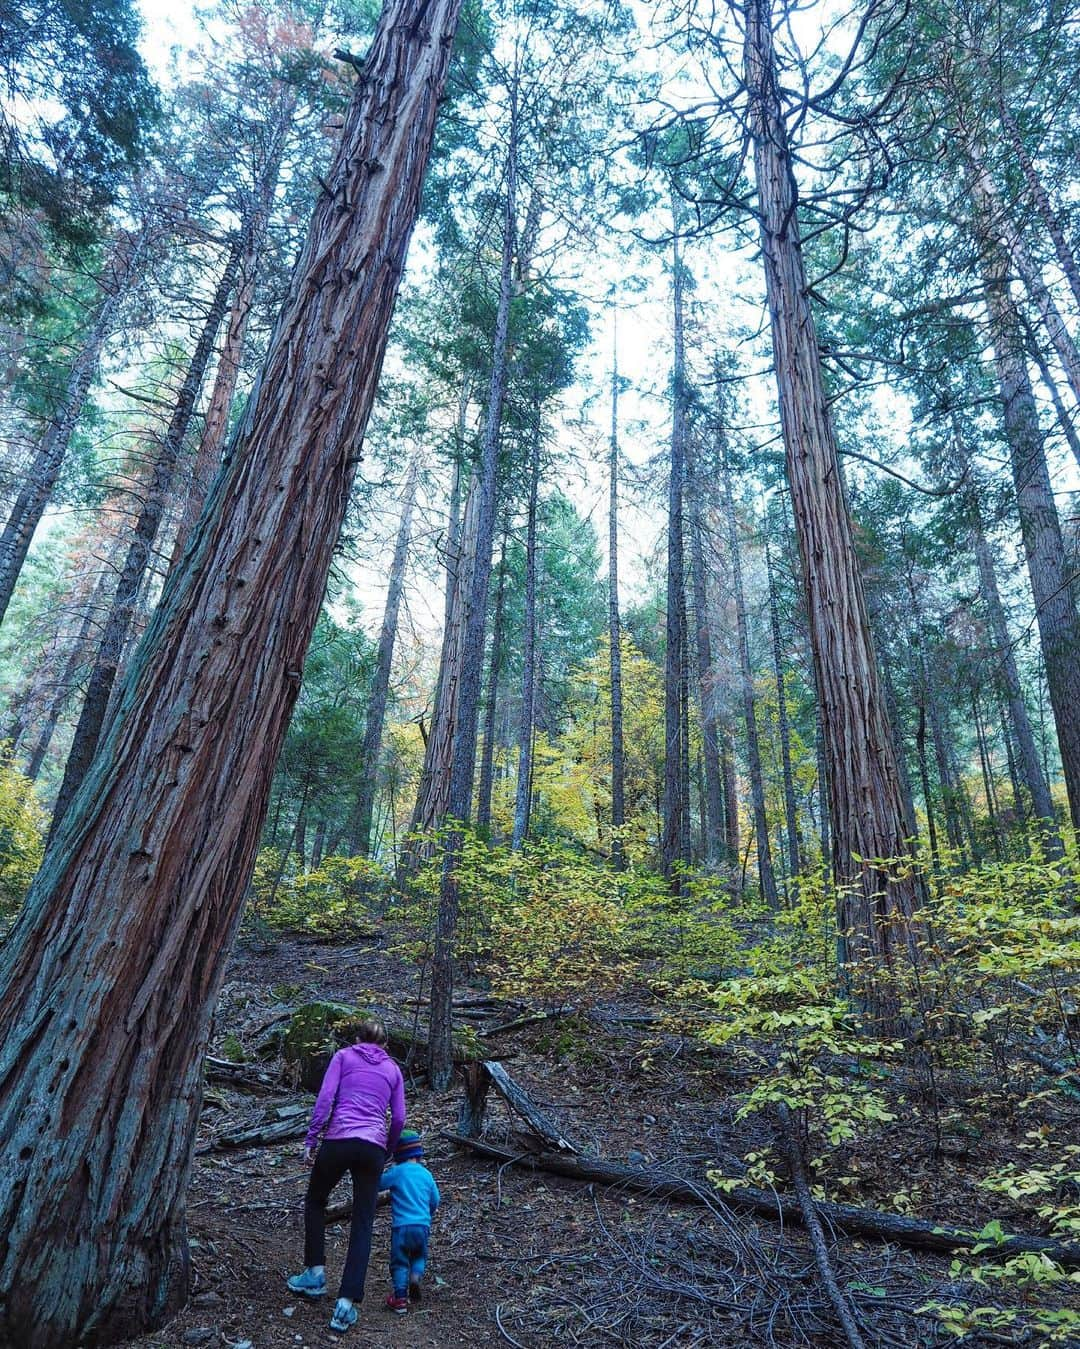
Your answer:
<point x="334" y="899"/>
<point x="546" y="923"/>
<point x="22" y="835"/>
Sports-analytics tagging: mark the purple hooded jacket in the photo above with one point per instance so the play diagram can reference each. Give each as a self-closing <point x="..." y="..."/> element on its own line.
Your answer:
<point x="360" y="1083"/>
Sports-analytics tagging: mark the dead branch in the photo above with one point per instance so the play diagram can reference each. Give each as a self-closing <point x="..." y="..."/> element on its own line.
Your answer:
<point x="519" y="1101"/>
<point x="812" y="1223"/>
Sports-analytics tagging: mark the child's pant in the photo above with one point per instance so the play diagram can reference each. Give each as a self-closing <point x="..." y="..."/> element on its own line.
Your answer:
<point x="408" y="1256"/>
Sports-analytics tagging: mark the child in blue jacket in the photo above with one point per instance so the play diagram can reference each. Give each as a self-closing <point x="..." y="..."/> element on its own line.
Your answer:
<point x="414" y="1197"/>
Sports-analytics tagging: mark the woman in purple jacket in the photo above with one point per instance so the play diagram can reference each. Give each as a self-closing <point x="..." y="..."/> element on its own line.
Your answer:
<point x="361" y="1084"/>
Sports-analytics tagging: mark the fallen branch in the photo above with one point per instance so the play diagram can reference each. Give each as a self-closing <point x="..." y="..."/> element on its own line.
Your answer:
<point x="859" y="1222"/>
<point x="292" y="1123"/>
<point x="241" y="1076"/>
<point x="1068" y="1079"/>
<point x="521" y="1103"/>
<point x="812" y="1223"/>
<point x="519" y="1022"/>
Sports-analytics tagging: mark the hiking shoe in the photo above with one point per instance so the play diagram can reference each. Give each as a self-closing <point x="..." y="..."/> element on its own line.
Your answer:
<point x="400" y="1305"/>
<point x="414" y="1290"/>
<point x="344" y="1316"/>
<point x="308" y="1284"/>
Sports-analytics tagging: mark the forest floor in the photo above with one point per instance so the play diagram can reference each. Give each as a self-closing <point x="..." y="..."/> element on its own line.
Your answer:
<point x="529" y="1259"/>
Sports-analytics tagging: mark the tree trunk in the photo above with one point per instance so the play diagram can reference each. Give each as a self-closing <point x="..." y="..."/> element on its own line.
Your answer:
<point x="753" y="747"/>
<point x="674" y="840"/>
<point x="987" y="767"/>
<point x="924" y="778"/>
<point x="433" y="796"/>
<point x="712" y="813"/>
<point x="950" y="788"/>
<point x="893" y="710"/>
<point x="876" y="901"/>
<point x="1019" y="805"/>
<point x="360" y="829"/>
<point x="440" y="1048"/>
<point x="731" y="794"/>
<point x="215" y="428"/>
<point x="996" y="222"/>
<point x="62" y="692"/>
<point x="823" y="801"/>
<point x="1066" y="258"/>
<point x="109" y="978"/>
<point x="1059" y="624"/>
<point x="318" y="845"/>
<point x="790" y="814"/>
<point x="48" y="460"/>
<point x="523" y="794"/>
<point x="487" y="755"/>
<point x="1066" y="419"/>
<point x="133" y="572"/>
<point x="618" y="759"/>
<point x="1041" y="804"/>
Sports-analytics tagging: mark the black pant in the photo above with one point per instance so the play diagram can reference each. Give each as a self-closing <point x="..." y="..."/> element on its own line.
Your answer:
<point x="365" y="1161"/>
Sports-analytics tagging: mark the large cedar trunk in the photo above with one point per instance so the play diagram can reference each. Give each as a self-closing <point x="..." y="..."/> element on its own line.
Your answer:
<point x="867" y="813"/>
<point x="360" y="824"/>
<point x="108" y="981"/>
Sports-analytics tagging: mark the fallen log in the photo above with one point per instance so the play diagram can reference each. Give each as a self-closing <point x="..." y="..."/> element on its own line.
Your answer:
<point x="857" y="1222"/>
<point x="241" y="1076"/>
<point x="292" y="1122"/>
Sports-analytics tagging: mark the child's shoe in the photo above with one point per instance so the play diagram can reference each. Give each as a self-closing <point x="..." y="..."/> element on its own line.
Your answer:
<point x="397" y="1304"/>
<point x="344" y="1316"/>
<point x="414" y="1290"/>
<point x="308" y="1284"/>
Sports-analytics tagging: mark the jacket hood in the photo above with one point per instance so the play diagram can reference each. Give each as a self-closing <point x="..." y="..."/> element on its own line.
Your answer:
<point x="371" y="1053"/>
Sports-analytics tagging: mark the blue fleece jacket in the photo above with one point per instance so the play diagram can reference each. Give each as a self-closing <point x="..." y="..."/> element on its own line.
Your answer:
<point x="414" y="1196"/>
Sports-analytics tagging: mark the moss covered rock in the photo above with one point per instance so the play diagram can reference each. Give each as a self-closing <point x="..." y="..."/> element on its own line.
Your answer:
<point x="318" y="1029"/>
<point x="314" y="1033"/>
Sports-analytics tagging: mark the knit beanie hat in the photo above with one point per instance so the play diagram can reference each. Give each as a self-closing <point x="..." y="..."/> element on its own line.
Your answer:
<point x="409" y="1146"/>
